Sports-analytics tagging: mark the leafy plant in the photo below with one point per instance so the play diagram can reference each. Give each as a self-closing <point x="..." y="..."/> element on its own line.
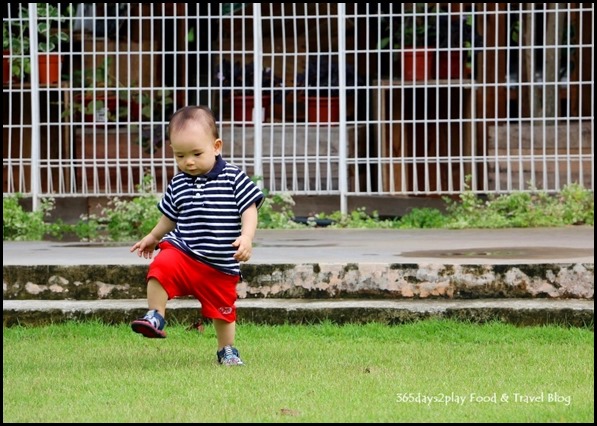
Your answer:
<point x="152" y="105"/>
<point x="276" y="212"/>
<point x="235" y="76"/>
<point x="117" y="101"/>
<point x="457" y="33"/>
<point x="94" y="76"/>
<point x="423" y="218"/>
<point x="358" y="218"/>
<point x="6" y="34"/>
<point x="10" y="40"/>
<point x="127" y="220"/>
<point x="15" y="40"/>
<point x="322" y="75"/>
<point x="88" y="101"/>
<point x="415" y="26"/>
<point x="576" y="204"/>
<point x="21" y="225"/>
<point x="52" y="30"/>
<point x="51" y="27"/>
<point x="572" y="206"/>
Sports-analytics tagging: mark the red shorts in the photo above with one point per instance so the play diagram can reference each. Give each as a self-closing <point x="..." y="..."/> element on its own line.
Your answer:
<point x="181" y="275"/>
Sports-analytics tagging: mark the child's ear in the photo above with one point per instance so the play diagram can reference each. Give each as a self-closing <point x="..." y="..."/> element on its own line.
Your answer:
<point x="218" y="145"/>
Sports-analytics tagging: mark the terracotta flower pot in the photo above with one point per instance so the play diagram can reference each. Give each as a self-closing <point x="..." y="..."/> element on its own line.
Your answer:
<point x="451" y="66"/>
<point x="244" y="106"/>
<point x="6" y="74"/>
<point x="323" y="109"/>
<point x="417" y="64"/>
<point x="49" y="68"/>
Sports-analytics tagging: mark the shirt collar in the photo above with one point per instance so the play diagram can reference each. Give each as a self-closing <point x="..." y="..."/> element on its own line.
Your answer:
<point x="214" y="172"/>
<point x="217" y="169"/>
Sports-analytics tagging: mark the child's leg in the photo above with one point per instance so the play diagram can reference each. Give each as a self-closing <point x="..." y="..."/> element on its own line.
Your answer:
<point x="225" y="332"/>
<point x="227" y="353"/>
<point x="152" y="324"/>
<point x="156" y="296"/>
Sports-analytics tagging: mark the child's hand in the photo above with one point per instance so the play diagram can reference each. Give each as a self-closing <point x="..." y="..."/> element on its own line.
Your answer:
<point x="244" y="247"/>
<point x="145" y="247"/>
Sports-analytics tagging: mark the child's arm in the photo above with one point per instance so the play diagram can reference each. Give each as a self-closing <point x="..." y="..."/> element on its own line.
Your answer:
<point x="148" y="244"/>
<point x="244" y="243"/>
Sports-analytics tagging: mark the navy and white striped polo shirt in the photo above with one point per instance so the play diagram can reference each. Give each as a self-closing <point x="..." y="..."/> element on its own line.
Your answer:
<point x="207" y="210"/>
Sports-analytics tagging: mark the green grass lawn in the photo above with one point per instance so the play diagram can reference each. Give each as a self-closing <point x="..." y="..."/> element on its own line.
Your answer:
<point x="428" y="371"/>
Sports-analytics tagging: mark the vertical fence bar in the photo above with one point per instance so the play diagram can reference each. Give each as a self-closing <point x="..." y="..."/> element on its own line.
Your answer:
<point x="592" y="106"/>
<point x="35" y="107"/>
<point x="343" y="142"/>
<point x="258" y="93"/>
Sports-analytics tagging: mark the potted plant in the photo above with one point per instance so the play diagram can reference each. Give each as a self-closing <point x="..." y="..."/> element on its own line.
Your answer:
<point x="456" y="42"/>
<point x="15" y="43"/>
<point x="152" y="108"/>
<point x="98" y="96"/>
<point x="52" y="30"/>
<point x="237" y="82"/>
<point x="321" y="80"/>
<point x="152" y="105"/>
<point x="6" y="51"/>
<point x="133" y="121"/>
<point x="412" y="33"/>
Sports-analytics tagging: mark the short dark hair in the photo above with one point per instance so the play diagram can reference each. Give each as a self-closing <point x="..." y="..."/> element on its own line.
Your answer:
<point x="200" y="113"/>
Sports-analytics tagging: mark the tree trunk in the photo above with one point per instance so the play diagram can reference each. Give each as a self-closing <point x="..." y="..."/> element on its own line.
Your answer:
<point x="544" y="99"/>
<point x="554" y="31"/>
<point x="527" y="27"/>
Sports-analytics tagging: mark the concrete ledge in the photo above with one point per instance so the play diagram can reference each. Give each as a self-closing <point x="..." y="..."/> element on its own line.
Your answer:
<point x="523" y="312"/>
<point x="319" y="281"/>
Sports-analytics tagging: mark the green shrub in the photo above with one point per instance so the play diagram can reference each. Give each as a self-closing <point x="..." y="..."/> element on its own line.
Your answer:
<point x="20" y="225"/>
<point x="130" y="220"/>
<point x="574" y="205"/>
<point x="124" y="220"/>
<point x="421" y="218"/>
<point x="276" y="212"/>
<point x="359" y="219"/>
<point x="577" y="205"/>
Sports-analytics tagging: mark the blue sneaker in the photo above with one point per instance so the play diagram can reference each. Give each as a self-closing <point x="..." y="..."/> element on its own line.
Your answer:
<point x="151" y="325"/>
<point x="229" y="356"/>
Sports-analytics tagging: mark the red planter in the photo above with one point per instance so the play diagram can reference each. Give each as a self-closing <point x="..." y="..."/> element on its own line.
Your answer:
<point x="323" y="109"/>
<point x="49" y="68"/>
<point x="6" y="74"/>
<point x="244" y="106"/>
<point x="417" y="64"/>
<point x="451" y="66"/>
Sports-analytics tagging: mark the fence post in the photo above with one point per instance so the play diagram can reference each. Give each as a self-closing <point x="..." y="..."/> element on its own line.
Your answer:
<point x="343" y="131"/>
<point x="35" y="107"/>
<point x="258" y="95"/>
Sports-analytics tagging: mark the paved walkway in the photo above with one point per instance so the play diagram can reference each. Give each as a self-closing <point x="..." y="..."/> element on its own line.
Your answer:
<point x="498" y="247"/>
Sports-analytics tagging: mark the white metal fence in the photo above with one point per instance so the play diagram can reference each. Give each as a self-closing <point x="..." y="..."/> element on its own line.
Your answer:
<point x="512" y="110"/>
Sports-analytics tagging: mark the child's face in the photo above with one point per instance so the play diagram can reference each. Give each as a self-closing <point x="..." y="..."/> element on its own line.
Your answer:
<point x="195" y="150"/>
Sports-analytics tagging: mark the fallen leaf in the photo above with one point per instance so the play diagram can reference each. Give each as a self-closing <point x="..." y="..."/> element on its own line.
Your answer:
<point x="289" y="412"/>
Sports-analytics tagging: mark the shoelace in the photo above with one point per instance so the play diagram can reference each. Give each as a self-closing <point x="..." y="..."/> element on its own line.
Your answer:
<point x="153" y="321"/>
<point x="228" y="352"/>
<point x="230" y="356"/>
